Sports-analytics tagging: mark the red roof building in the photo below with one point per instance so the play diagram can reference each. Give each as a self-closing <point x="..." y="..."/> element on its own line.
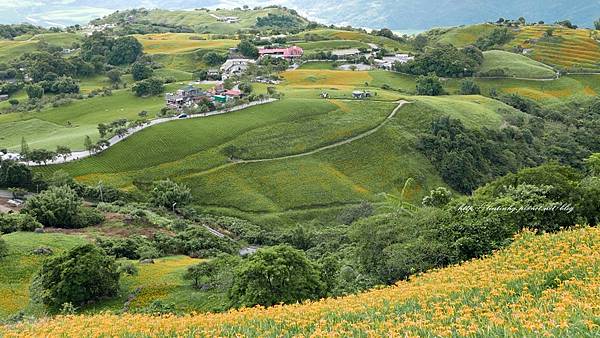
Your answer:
<point x="285" y="53"/>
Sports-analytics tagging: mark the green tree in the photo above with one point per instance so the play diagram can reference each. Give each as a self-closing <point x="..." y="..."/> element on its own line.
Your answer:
<point x="248" y="49"/>
<point x="167" y="193"/>
<point x="216" y="273"/>
<point x="429" y="85"/>
<point x="213" y="59"/>
<point x="55" y="207"/>
<point x="24" y="147"/>
<point x="274" y="275"/>
<point x="63" y="151"/>
<point x="3" y="248"/>
<point x="34" y="91"/>
<point x="245" y="87"/>
<point x="593" y="164"/>
<point x="125" y="50"/>
<point x="469" y="87"/>
<point x="82" y="275"/>
<point x="87" y="143"/>
<point x="114" y="75"/>
<point x="141" y="71"/>
<point x="148" y="87"/>
<point x="437" y="197"/>
<point x="597" y="24"/>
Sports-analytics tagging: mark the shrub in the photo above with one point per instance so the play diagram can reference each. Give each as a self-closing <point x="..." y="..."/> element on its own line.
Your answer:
<point x="429" y="85"/>
<point x="84" y="274"/>
<point x="469" y="87"/>
<point x="55" y="207"/>
<point x="353" y="213"/>
<point x="18" y="222"/>
<point x="168" y="194"/>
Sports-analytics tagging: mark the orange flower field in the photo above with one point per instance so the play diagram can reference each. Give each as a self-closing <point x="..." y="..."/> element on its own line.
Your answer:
<point x="542" y="285"/>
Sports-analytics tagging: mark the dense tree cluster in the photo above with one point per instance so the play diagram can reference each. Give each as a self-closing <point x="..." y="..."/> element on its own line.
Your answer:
<point x="280" y="21"/>
<point x="444" y="60"/>
<point x="494" y="39"/>
<point x="102" y="48"/>
<point x="468" y="158"/>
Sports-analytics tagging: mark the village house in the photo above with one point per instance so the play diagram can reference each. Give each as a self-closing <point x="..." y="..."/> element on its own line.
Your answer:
<point x="388" y="62"/>
<point x="233" y="67"/>
<point x="187" y="97"/>
<point x="289" y="53"/>
<point x="3" y="97"/>
<point x="361" y="94"/>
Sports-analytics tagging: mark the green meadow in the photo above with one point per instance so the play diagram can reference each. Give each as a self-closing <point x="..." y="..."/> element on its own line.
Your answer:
<point x="515" y="65"/>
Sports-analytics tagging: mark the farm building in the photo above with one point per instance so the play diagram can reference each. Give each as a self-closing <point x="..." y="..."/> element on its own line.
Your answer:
<point x="233" y="67"/>
<point x="388" y="62"/>
<point x="288" y="53"/>
<point x="3" y="97"/>
<point x="346" y="53"/>
<point x="360" y="94"/>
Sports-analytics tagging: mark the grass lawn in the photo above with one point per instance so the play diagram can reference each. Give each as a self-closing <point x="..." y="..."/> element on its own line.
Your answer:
<point x="330" y="45"/>
<point x="172" y="43"/>
<point x="17" y="269"/>
<point x="515" y="65"/>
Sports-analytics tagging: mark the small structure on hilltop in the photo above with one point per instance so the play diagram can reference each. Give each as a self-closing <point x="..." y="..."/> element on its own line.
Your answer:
<point x="233" y="67"/>
<point x="388" y="62"/>
<point x="289" y="53"/>
<point x="226" y="19"/>
<point x="187" y="97"/>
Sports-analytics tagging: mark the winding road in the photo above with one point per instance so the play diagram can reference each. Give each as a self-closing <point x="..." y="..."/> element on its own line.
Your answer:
<point x="116" y="139"/>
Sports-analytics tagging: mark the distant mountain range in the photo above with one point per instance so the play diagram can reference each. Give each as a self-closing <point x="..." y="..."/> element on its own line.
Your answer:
<point x="394" y="14"/>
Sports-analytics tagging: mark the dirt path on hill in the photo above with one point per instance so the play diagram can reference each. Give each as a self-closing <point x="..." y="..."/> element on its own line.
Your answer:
<point x="369" y="132"/>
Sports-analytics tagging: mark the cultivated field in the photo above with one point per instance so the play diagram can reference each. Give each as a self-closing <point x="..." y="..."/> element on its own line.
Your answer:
<point x="574" y="50"/>
<point x="173" y="43"/>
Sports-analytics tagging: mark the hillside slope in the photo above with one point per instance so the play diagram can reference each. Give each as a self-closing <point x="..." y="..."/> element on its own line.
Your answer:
<point x="500" y="63"/>
<point x="540" y="285"/>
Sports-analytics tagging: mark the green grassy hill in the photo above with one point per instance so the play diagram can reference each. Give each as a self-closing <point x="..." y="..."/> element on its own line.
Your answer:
<point x="327" y="34"/>
<point x="200" y="20"/>
<point x="514" y="65"/>
<point x="189" y="151"/>
<point x="464" y="35"/>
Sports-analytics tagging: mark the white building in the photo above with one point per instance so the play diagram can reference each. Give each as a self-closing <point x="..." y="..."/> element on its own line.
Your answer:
<point x="388" y="62"/>
<point x="346" y="53"/>
<point x="234" y="67"/>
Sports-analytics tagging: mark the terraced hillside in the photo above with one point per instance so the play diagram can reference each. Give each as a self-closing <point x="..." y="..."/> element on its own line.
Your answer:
<point x="574" y="50"/>
<point x="544" y="285"/>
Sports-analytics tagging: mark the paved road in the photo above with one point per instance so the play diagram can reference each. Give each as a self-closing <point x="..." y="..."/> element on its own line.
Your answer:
<point x="312" y="152"/>
<point x="116" y="139"/>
